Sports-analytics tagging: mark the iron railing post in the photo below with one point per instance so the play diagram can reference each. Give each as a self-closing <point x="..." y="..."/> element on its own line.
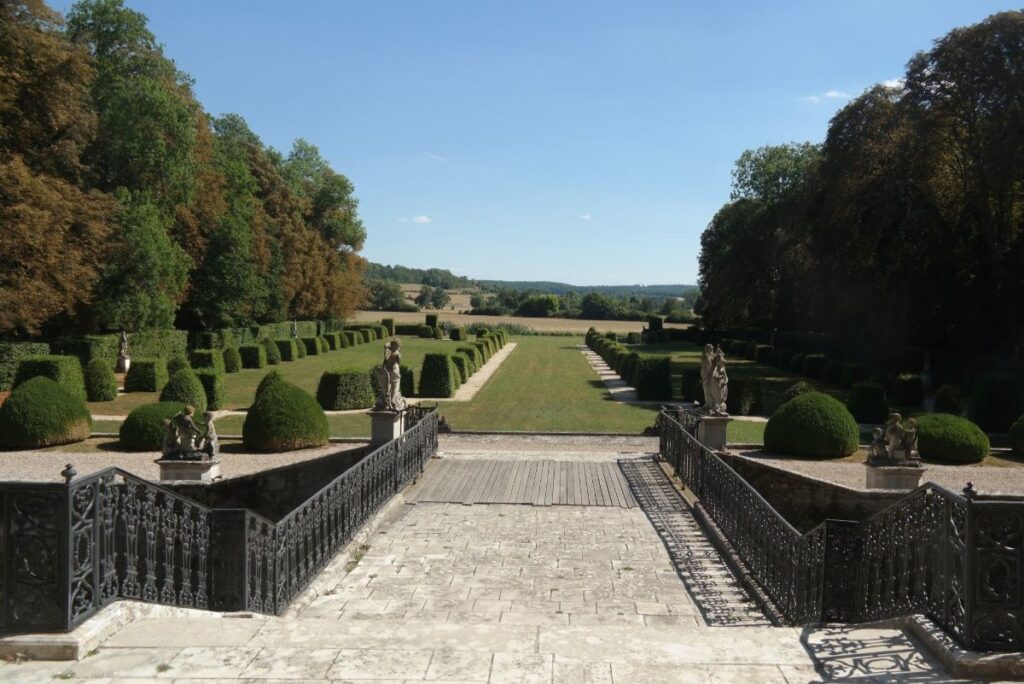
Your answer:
<point x="839" y="581"/>
<point x="228" y="563"/>
<point x="970" y="590"/>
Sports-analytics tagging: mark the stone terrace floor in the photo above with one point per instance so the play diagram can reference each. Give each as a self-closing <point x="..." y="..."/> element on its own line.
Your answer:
<point x="447" y="592"/>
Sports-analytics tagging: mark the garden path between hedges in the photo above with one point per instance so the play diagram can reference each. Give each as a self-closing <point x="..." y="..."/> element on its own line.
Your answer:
<point x="496" y="593"/>
<point x="466" y="392"/>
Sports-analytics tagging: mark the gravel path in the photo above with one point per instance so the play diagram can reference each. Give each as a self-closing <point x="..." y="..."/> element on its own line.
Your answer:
<point x="45" y="466"/>
<point x="986" y="478"/>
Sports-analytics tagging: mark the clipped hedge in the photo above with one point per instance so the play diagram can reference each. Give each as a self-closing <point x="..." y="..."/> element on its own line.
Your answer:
<point x="143" y="429"/>
<point x="300" y="349"/>
<point x="944" y="438"/>
<point x="253" y="355"/>
<point x="908" y="390"/>
<point x="866" y="402"/>
<point x="462" y="364"/>
<point x="287" y="349"/>
<point x="213" y="386"/>
<point x="185" y="388"/>
<point x="691" y="387"/>
<point x="332" y="341"/>
<point x="66" y="371"/>
<point x="407" y="383"/>
<point x="176" y="364"/>
<point x="425" y="331"/>
<point x="745" y="397"/>
<point x="438" y="376"/>
<point x="146" y="375"/>
<point x="389" y="325"/>
<point x="796" y="389"/>
<point x="485" y="352"/>
<point x="100" y="381"/>
<point x="812" y="425"/>
<point x="995" y="402"/>
<point x="949" y="400"/>
<point x="272" y="352"/>
<point x="457" y="335"/>
<point x="40" y="413"/>
<point x="814" y="365"/>
<point x="311" y="345"/>
<point x="11" y="354"/>
<point x="284" y="418"/>
<point x="431" y="320"/>
<point x="653" y="378"/>
<point x="353" y="338"/>
<point x="207" y="358"/>
<point x="345" y="389"/>
<point x="473" y="353"/>
<point x="233" y="359"/>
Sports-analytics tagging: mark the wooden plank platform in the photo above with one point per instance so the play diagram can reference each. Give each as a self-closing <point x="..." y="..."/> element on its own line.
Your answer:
<point x="544" y="482"/>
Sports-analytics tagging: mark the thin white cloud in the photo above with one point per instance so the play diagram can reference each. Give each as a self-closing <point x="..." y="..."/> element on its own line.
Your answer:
<point x="585" y="217"/>
<point x="832" y="94"/>
<point x="435" y="157"/>
<point x="896" y="83"/>
<point x="422" y="218"/>
<point x="403" y="220"/>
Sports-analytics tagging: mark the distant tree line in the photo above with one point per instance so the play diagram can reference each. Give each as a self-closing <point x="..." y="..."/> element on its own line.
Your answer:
<point x="592" y="306"/>
<point x="125" y="205"/>
<point x="434" y="277"/>
<point x="904" y="226"/>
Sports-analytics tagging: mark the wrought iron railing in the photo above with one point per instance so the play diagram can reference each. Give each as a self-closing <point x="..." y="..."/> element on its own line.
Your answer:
<point x="958" y="559"/>
<point x="69" y="549"/>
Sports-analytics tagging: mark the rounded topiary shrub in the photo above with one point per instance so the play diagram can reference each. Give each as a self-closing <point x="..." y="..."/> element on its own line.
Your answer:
<point x="438" y="376"/>
<point x="796" y="389"/>
<point x="462" y="364"/>
<point x="66" y="371"/>
<point x="213" y="386"/>
<point x="232" y="360"/>
<point x="1017" y="436"/>
<point x="283" y="418"/>
<point x="100" y="381"/>
<point x="273" y="353"/>
<point x="345" y="389"/>
<point x="40" y="413"/>
<point x="948" y="399"/>
<point x="995" y="402"/>
<point x="867" y="403"/>
<point x="143" y="429"/>
<point x="185" y="387"/>
<point x="268" y="380"/>
<point x="176" y="364"/>
<point x="300" y="349"/>
<point x="944" y="438"/>
<point x="813" y="425"/>
<point x="253" y="355"/>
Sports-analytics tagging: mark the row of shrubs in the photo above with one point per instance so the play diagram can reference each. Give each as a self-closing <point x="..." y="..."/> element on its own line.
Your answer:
<point x="650" y="376"/>
<point x="441" y="375"/>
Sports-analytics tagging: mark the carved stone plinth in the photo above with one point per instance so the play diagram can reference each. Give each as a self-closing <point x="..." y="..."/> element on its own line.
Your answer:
<point x="894" y="477"/>
<point x="385" y="426"/>
<point x="711" y="431"/>
<point x="123" y="364"/>
<point x="188" y="471"/>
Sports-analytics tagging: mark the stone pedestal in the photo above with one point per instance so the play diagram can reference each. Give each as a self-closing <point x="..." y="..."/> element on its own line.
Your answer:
<point x="711" y="431"/>
<point x="188" y="471"/>
<point x="385" y="426"/>
<point x="123" y="364"/>
<point x="894" y="477"/>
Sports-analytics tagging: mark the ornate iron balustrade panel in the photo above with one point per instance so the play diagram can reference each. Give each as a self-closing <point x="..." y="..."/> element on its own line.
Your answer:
<point x="958" y="559"/>
<point x="284" y="558"/>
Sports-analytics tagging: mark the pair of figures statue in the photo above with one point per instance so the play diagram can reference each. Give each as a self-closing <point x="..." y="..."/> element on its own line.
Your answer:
<point x="714" y="380"/>
<point x="896" y="444"/>
<point x="184" y="440"/>
<point x="389" y="379"/>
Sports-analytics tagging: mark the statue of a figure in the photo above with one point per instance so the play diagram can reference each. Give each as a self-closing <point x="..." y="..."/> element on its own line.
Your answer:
<point x="295" y="329"/>
<point x="878" y="452"/>
<point x="714" y="380"/>
<point x="894" y="435"/>
<point x="185" y="441"/>
<point x="209" y="444"/>
<point x="910" y="441"/>
<point x="389" y="379"/>
<point x="897" y="445"/>
<point x="122" y="353"/>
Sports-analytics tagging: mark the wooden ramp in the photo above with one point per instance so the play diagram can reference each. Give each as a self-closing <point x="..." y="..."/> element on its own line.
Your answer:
<point x="537" y="482"/>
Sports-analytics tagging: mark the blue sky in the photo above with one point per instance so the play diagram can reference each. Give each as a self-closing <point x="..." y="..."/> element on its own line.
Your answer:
<point x="584" y="141"/>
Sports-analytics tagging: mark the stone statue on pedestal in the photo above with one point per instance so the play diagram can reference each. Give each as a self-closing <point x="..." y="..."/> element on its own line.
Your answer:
<point x="896" y="445"/>
<point x="184" y="440"/>
<point x="389" y="379"/>
<point x="714" y="380"/>
<point x="123" y="360"/>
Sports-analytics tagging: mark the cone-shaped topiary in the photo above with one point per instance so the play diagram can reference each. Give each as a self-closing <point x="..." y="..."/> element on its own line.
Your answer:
<point x="268" y="380"/>
<point x="345" y="389"/>
<point x="232" y="360"/>
<point x="185" y="388"/>
<point x="438" y="376"/>
<point x="100" y="381"/>
<point x="945" y="438"/>
<point x="813" y="425"/>
<point x="283" y="418"/>
<point x="143" y="429"/>
<point x="40" y="413"/>
<point x="867" y="403"/>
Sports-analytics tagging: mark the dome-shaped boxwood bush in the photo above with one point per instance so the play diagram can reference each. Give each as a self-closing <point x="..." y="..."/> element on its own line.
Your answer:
<point x="273" y="353"/>
<point x="185" y="388"/>
<point x="268" y="380"/>
<point x="814" y="425"/>
<point x="1017" y="436"/>
<point x="283" y="418"/>
<point x="143" y="429"/>
<point x="233" y="360"/>
<point x="345" y="389"/>
<point x="100" y="381"/>
<point x="66" y="371"/>
<point x="944" y="438"/>
<point x="300" y="349"/>
<point x="438" y="376"/>
<point x="867" y="403"/>
<point x="995" y="402"/>
<point x="796" y="389"/>
<point x="40" y="413"/>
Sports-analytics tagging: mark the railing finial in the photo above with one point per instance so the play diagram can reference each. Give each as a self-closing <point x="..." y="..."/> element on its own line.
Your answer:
<point x="69" y="473"/>
<point x="969" y="491"/>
